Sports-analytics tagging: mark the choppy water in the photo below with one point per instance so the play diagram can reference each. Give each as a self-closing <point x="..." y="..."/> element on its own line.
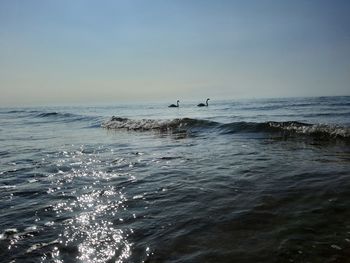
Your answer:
<point x="238" y="181"/>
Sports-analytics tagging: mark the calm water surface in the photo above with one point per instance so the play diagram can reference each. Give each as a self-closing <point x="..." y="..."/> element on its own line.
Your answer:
<point x="238" y="181"/>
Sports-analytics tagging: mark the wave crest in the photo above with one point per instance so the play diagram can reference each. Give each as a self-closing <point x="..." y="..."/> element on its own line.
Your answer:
<point x="288" y="128"/>
<point x="151" y="124"/>
<point x="315" y="130"/>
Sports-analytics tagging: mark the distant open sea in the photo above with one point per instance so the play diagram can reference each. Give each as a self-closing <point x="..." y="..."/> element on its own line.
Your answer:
<point x="264" y="180"/>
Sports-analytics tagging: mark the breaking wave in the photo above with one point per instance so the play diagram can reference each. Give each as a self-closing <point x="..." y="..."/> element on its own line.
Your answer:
<point x="288" y="128"/>
<point x="161" y="125"/>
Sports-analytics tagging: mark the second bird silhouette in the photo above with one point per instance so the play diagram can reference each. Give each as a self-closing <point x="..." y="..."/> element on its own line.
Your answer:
<point x="173" y="105"/>
<point x="202" y="104"/>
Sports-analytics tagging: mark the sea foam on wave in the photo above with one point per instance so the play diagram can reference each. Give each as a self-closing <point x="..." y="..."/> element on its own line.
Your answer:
<point x="288" y="128"/>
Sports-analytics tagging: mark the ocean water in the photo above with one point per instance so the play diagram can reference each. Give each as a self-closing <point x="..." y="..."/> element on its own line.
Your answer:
<point x="239" y="181"/>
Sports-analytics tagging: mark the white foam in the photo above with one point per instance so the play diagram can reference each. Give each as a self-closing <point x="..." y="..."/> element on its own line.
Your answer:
<point x="332" y="131"/>
<point x="144" y="124"/>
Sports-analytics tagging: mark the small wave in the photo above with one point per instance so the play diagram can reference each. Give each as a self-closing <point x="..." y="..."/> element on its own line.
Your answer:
<point x="289" y="128"/>
<point x="65" y="117"/>
<point x="19" y="111"/>
<point x="321" y="131"/>
<point x="300" y="104"/>
<point x="325" y="114"/>
<point x="265" y="107"/>
<point x="15" y="111"/>
<point x="50" y="114"/>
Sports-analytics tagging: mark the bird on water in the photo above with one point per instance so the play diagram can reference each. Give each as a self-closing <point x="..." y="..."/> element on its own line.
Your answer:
<point x="173" y="105"/>
<point x="202" y="104"/>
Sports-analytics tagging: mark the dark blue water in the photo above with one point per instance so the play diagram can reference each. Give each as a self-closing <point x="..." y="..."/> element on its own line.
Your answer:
<point x="238" y="181"/>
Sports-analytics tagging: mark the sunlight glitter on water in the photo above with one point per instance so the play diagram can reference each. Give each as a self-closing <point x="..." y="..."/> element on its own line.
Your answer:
<point x="93" y="224"/>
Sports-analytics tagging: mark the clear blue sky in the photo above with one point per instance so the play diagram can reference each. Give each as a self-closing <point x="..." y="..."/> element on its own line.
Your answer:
<point x="82" y="51"/>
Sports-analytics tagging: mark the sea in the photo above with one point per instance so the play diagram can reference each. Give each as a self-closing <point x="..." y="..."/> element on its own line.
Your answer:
<point x="250" y="180"/>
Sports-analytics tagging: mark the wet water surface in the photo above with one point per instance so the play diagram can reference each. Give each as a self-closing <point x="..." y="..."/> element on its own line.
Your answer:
<point x="238" y="181"/>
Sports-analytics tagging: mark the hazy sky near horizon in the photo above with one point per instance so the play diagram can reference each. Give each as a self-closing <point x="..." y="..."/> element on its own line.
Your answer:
<point x="82" y="51"/>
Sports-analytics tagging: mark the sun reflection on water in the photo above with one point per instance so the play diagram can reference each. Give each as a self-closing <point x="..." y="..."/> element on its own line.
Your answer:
<point x="93" y="223"/>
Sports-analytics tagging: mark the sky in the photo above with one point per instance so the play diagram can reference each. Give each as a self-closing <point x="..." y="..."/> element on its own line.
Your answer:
<point x="84" y="51"/>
